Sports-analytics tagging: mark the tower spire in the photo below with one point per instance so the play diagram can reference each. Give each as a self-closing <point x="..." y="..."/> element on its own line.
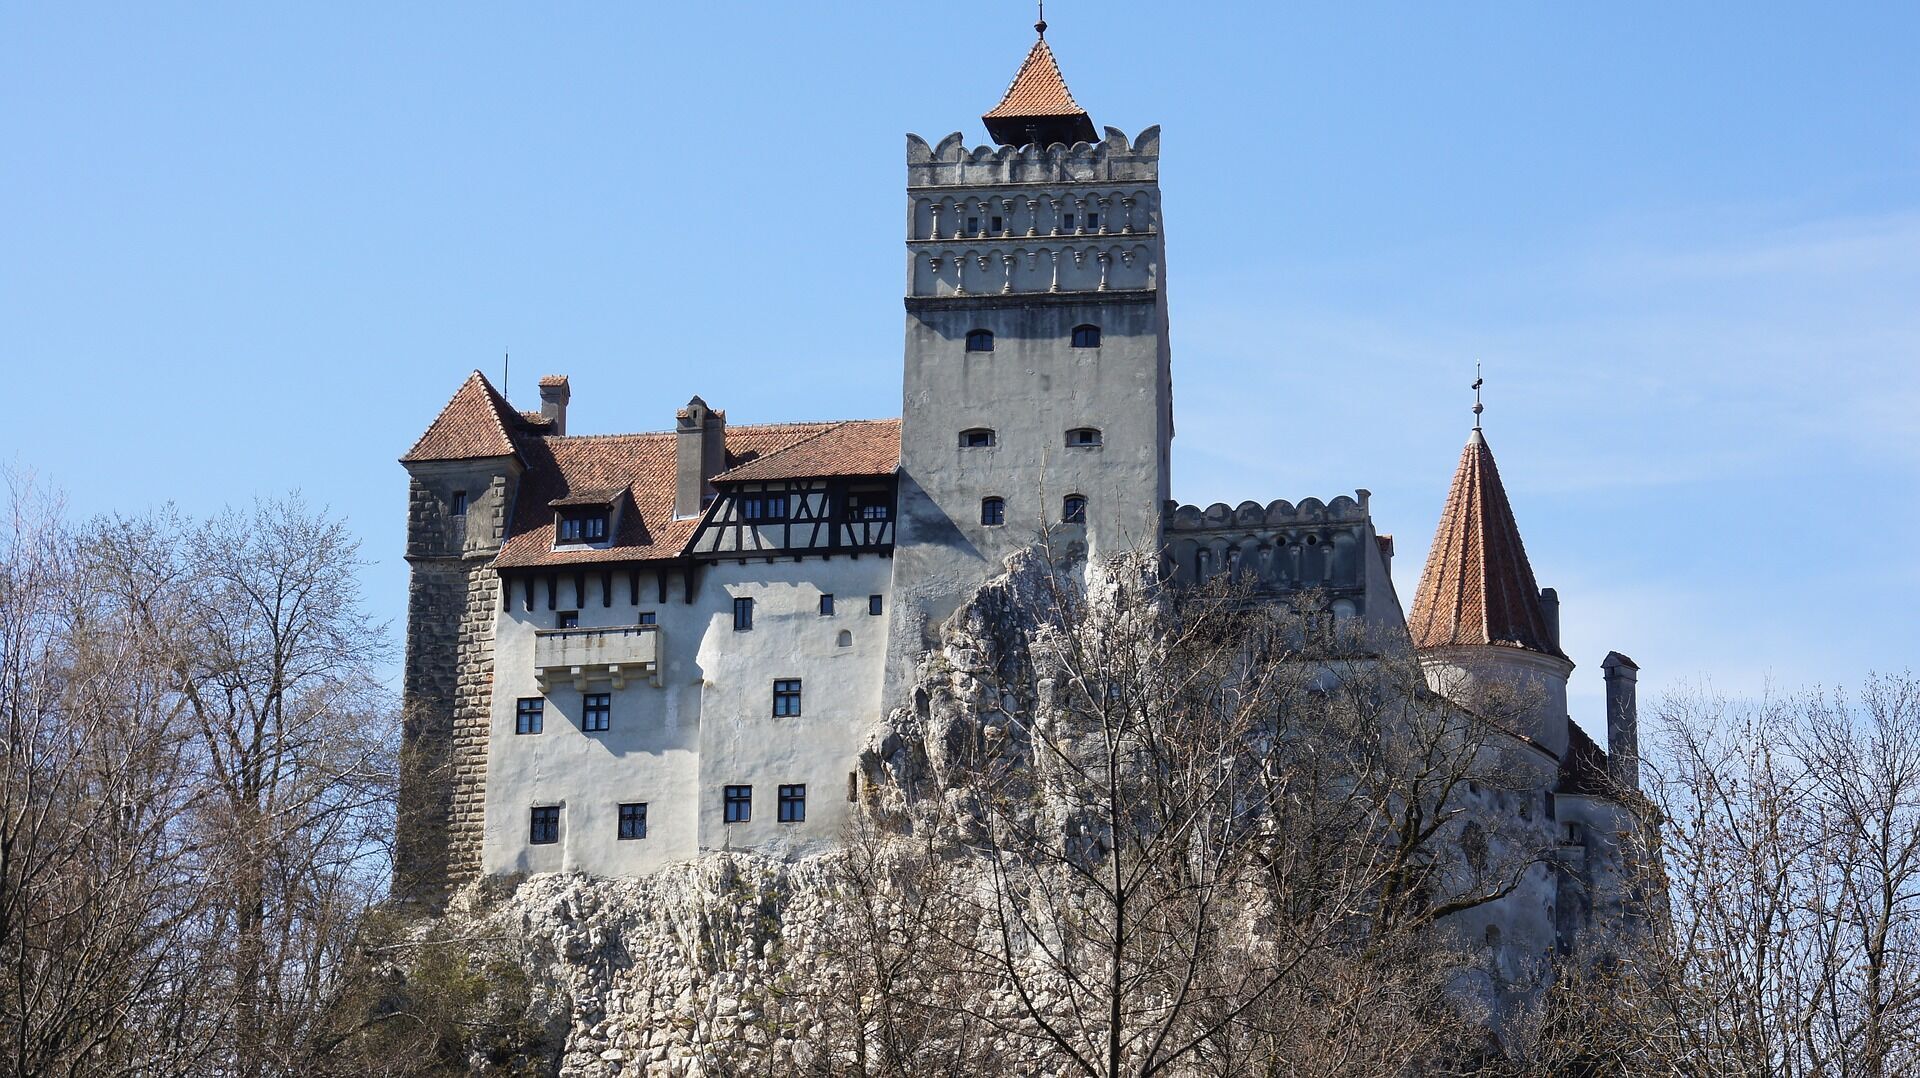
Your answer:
<point x="1038" y="109"/>
<point x="1478" y="587"/>
<point x="1477" y="406"/>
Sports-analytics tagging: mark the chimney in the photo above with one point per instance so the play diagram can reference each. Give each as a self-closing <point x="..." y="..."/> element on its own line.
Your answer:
<point x="1623" y="720"/>
<point x="700" y="453"/>
<point x="1550" y="611"/>
<point x="554" y="394"/>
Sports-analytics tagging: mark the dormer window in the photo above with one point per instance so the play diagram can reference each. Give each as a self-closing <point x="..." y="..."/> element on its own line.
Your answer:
<point x="980" y="340"/>
<point x="583" y="526"/>
<point x="976" y="438"/>
<point x="1083" y="437"/>
<point x="1086" y="336"/>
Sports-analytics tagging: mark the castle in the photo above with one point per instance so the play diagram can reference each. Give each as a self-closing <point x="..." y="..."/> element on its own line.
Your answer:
<point x="624" y="650"/>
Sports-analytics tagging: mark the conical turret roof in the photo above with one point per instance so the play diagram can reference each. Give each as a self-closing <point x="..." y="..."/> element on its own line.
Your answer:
<point x="1038" y="108"/>
<point x="1478" y="587"/>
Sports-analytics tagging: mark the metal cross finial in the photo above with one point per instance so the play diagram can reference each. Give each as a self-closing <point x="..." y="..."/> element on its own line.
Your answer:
<point x="1477" y="406"/>
<point x="1042" y="24"/>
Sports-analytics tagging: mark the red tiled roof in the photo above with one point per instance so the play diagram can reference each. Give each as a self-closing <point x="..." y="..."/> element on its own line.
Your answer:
<point x="476" y="423"/>
<point x="643" y="464"/>
<point x="858" y="447"/>
<point x="1037" y="89"/>
<point x="1477" y="587"/>
<point x="1583" y="770"/>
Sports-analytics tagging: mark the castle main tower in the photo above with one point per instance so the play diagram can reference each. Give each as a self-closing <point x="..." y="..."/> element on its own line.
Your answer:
<point x="1038" y="386"/>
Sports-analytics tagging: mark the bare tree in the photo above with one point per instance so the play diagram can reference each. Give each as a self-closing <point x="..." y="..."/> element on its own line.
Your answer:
<point x="193" y="790"/>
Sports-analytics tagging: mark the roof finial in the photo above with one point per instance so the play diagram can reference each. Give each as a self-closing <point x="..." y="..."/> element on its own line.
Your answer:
<point x="1477" y="406"/>
<point x="1042" y="24"/>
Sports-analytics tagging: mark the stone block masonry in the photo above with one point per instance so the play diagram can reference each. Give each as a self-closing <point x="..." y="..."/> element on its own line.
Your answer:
<point x="447" y="686"/>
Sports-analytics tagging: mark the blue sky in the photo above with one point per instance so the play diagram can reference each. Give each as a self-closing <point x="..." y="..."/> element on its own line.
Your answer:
<point x="250" y="248"/>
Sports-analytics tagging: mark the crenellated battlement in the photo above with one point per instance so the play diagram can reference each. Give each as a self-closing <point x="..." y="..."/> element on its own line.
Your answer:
<point x="1279" y="546"/>
<point x="1112" y="159"/>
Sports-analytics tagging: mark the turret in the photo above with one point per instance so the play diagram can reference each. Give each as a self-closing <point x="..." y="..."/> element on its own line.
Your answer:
<point x="1486" y="633"/>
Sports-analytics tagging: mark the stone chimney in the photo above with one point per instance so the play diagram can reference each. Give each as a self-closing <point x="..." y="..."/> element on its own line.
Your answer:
<point x="554" y="394"/>
<point x="1550" y="610"/>
<point x="1623" y="720"/>
<point x="700" y="453"/>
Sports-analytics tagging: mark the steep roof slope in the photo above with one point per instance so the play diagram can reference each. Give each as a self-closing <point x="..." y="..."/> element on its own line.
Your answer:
<point x="1478" y="587"/>
<point x="1037" y="106"/>
<point x="477" y="422"/>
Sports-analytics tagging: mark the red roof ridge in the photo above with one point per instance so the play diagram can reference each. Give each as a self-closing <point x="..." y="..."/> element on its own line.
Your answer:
<point x="774" y="458"/>
<point x="1477" y="587"/>
<point x="473" y="423"/>
<point x="1037" y="89"/>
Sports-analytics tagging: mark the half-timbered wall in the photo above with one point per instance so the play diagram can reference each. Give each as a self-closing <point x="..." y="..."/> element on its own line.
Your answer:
<point x="802" y="517"/>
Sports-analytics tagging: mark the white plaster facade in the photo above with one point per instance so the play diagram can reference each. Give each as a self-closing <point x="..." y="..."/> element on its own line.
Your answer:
<point x="708" y="724"/>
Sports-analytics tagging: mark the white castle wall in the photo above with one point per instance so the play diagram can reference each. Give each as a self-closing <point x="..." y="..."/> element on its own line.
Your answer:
<point x="707" y="724"/>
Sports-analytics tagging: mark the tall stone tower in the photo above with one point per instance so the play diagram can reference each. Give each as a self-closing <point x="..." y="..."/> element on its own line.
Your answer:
<point x="463" y="473"/>
<point x="1038" y="386"/>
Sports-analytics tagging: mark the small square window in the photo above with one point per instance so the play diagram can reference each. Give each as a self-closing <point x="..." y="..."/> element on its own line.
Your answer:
<point x="826" y="604"/>
<point x="1069" y="222"/>
<point x="529" y="715"/>
<point x="568" y="619"/>
<point x="973" y="225"/>
<point x="544" y="828"/>
<point x="742" y="614"/>
<point x="739" y="804"/>
<point x="874" y="605"/>
<point x="633" y="821"/>
<point x="995" y="224"/>
<point x="793" y="803"/>
<point x="596" y="712"/>
<point x="786" y="697"/>
<point x="648" y="617"/>
<point x="1093" y="220"/>
<point x="459" y="503"/>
